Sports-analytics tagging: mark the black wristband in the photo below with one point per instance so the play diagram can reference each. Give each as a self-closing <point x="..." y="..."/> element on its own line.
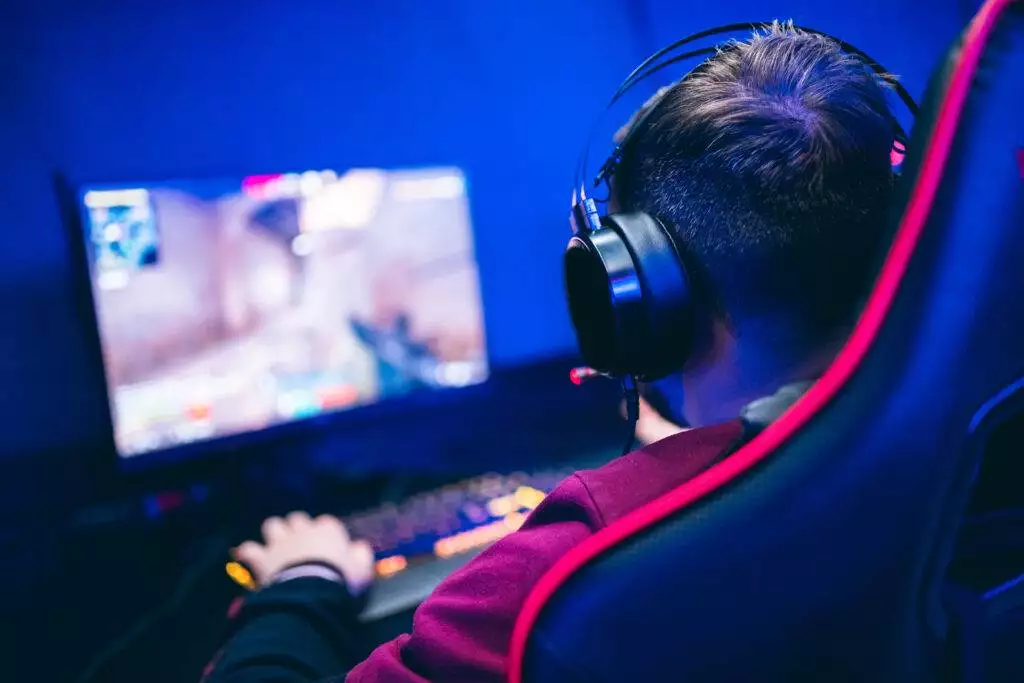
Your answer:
<point x="328" y="571"/>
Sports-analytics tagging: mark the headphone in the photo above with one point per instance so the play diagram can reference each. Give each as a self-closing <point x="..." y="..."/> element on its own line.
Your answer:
<point x="626" y="280"/>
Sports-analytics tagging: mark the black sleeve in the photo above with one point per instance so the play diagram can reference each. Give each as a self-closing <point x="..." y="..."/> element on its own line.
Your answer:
<point x="294" y="632"/>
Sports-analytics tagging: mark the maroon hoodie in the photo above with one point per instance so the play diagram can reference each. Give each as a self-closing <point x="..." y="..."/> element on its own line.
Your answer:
<point x="302" y="630"/>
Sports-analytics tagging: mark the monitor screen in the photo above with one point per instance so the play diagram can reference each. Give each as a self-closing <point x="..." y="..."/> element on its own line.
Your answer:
<point x="227" y="307"/>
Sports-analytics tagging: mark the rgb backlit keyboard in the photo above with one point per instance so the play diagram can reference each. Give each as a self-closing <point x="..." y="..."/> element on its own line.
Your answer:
<point x="452" y="520"/>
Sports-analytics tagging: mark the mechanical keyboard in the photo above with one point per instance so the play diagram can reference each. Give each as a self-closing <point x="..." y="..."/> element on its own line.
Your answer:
<point x="421" y="540"/>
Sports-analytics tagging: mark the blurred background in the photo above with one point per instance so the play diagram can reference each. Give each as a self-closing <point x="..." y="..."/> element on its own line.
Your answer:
<point x="112" y="94"/>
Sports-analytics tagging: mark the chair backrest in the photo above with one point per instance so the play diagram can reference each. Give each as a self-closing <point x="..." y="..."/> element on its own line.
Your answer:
<point x="818" y="550"/>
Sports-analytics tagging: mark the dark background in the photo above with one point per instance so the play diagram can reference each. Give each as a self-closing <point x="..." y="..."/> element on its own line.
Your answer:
<point x="110" y="90"/>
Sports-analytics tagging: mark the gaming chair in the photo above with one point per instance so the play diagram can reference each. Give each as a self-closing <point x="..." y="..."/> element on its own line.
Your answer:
<point x="818" y="551"/>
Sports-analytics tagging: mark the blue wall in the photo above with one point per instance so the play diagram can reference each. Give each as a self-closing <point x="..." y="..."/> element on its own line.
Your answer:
<point x="118" y="91"/>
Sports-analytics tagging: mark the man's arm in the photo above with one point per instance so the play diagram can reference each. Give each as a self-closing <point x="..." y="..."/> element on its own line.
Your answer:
<point x="461" y="632"/>
<point x="299" y="626"/>
<point x="304" y="631"/>
<point x="299" y="630"/>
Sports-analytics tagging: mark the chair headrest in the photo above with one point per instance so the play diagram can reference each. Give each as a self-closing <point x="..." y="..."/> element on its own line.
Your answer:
<point x="756" y="416"/>
<point x="833" y="525"/>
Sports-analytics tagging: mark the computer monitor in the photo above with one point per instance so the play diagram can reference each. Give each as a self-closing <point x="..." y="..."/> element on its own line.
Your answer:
<point x="229" y="307"/>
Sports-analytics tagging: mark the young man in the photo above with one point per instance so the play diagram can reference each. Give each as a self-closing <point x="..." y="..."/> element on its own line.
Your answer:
<point x="773" y="164"/>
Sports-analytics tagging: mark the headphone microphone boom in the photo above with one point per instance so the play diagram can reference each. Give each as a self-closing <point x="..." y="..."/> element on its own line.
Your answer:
<point x="583" y="374"/>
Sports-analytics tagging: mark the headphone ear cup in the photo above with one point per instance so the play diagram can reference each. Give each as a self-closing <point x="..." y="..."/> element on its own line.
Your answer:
<point x="629" y="298"/>
<point x="603" y="294"/>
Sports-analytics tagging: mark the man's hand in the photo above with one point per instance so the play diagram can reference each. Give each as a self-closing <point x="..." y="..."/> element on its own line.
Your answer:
<point x="297" y="538"/>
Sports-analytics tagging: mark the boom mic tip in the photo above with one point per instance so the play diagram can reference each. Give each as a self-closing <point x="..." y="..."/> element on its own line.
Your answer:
<point x="582" y="374"/>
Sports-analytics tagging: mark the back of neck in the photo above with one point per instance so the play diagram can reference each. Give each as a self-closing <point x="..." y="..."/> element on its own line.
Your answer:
<point x="718" y="391"/>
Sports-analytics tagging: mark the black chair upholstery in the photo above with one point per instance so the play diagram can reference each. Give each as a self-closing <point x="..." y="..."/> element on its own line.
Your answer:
<point x="819" y="550"/>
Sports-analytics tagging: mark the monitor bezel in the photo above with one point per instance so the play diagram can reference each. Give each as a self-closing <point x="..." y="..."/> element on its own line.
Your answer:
<point x="71" y="200"/>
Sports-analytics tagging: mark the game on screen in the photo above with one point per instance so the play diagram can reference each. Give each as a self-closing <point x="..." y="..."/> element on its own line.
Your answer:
<point x="229" y="307"/>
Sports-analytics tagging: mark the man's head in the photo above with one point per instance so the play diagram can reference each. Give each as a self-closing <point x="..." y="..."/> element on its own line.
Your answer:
<point x="771" y="164"/>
